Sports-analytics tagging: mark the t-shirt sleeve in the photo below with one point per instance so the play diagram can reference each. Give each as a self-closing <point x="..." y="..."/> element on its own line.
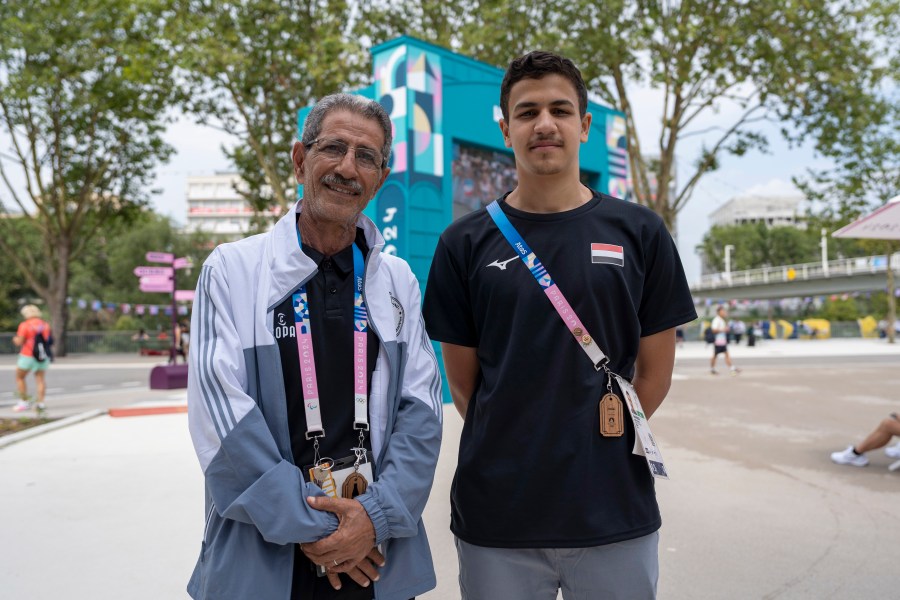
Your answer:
<point x="22" y="330"/>
<point x="666" y="300"/>
<point x="447" y="307"/>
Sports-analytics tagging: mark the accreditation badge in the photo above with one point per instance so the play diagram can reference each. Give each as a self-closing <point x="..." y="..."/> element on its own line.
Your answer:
<point x="644" y="442"/>
<point x="346" y="477"/>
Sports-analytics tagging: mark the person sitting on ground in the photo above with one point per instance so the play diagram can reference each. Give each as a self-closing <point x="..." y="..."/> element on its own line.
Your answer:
<point x="856" y="455"/>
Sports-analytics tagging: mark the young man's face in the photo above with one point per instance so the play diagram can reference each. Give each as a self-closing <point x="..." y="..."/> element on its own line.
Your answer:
<point x="545" y="129"/>
<point x="338" y="188"/>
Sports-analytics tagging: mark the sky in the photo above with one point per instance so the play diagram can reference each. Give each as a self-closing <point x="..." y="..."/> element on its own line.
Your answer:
<point x="198" y="152"/>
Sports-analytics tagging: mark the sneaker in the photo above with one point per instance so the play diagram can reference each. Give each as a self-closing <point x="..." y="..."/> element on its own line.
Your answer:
<point x="22" y="405"/>
<point x="849" y="457"/>
<point x="41" y="411"/>
<point x="713" y="372"/>
<point x="893" y="451"/>
<point x="735" y="371"/>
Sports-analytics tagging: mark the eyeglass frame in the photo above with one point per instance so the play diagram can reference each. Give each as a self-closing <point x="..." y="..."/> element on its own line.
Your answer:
<point x="380" y="165"/>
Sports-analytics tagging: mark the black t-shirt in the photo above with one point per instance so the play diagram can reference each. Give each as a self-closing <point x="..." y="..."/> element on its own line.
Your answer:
<point x="533" y="469"/>
<point x="330" y="295"/>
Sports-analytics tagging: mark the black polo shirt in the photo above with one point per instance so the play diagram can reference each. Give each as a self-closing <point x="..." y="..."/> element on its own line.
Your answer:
<point x="533" y="469"/>
<point x="330" y="295"/>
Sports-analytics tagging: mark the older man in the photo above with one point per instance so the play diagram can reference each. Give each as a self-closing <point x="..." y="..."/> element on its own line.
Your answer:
<point x="314" y="395"/>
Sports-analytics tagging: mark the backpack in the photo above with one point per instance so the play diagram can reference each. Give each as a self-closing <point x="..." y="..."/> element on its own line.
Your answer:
<point x="41" y="349"/>
<point x="708" y="335"/>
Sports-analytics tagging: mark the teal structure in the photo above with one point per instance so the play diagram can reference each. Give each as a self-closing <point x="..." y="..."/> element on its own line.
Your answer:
<point x="448" y="155"/>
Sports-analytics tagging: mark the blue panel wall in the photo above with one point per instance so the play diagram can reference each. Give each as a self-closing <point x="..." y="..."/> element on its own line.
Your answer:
<point x="438" y="99"/>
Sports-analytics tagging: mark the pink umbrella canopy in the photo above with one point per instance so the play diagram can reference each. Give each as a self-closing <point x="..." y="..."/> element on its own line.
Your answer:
<point x="881" y="224"/>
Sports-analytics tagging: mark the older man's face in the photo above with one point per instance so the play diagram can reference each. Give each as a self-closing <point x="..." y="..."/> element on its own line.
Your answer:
<point x="337" y="188"/>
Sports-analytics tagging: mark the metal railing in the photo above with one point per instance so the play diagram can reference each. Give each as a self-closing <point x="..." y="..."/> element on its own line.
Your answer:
<point x="844" y="267"/>
<point x="77" y="342"/>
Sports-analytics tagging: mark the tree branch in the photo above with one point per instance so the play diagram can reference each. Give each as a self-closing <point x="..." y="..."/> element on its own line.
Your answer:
<point x="705" y="165"/>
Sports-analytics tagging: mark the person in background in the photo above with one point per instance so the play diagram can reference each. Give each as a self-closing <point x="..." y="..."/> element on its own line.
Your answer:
<point x="720" y="345"/>
<point x="33" y="340"/>
<point x="879" y="438"/>
<point x="182" y="340"/>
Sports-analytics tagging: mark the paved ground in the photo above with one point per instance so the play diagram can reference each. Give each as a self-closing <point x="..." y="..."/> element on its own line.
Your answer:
<point x="112" y="507"/>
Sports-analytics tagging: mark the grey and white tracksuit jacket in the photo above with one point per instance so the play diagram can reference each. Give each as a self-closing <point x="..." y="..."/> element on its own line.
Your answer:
<point x="256" y="509"/>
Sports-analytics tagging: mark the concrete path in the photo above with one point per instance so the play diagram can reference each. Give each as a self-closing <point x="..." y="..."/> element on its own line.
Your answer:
<point x="113" y="507"/>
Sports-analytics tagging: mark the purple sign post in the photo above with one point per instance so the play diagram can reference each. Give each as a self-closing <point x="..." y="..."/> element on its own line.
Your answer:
<point x="163" y="280"/>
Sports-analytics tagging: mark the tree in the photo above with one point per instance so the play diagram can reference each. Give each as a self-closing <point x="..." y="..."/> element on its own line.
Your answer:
<point x="867" y="174"/>
<point x="792" y="61"/>
<point x="83" y="87"/>
<point x="14" y="291"/>
<point x="756" y="245"/>
<point x="106" y="273"/>
<point x="250" y="66"/>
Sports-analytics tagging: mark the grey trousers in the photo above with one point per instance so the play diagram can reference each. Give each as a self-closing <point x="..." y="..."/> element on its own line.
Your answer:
<point x="625" y="570"/>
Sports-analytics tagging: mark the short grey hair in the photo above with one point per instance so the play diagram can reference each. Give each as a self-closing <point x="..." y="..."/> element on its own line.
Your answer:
<point x="363" y="107"/>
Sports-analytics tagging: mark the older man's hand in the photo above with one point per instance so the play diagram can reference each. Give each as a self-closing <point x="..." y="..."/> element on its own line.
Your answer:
<point x="350" y="549"/>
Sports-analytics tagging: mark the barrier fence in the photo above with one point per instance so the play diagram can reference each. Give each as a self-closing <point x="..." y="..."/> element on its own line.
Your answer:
<point x="106" y="342"/>
<point x="96" y="342"/>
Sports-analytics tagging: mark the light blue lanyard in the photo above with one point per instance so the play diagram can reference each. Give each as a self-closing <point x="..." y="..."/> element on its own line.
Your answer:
<point x="562" y="306"/>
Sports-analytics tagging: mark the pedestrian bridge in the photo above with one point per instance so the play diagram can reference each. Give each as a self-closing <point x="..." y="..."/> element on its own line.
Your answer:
<point x="845" y="275"/>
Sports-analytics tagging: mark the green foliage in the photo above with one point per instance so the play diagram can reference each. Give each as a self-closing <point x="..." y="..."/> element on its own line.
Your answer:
<point x="840" y="310"/>
<point x="127" y="323"/>
<point x="251" y="65"/>
<point x="733" y="62"/>
<point x="107" y="273"/>
<point x="756" y="245"/>
<point x="83" y="91"/>
<point x="14" y="290"/>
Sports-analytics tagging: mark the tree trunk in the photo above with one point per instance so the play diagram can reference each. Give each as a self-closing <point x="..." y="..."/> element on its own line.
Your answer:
<point x="58" y="291"/>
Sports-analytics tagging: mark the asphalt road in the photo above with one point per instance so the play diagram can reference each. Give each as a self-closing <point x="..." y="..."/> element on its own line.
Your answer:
<point x="754" y="508"/>
<point x="86" y="381"/>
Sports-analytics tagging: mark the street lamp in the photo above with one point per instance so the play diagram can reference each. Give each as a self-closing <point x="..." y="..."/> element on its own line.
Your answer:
<point x="728" y="249"/>
<point x="824" y="245"/>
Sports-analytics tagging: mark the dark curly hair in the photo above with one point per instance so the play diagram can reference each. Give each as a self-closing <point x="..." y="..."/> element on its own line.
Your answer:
<point x="536" y="65"/>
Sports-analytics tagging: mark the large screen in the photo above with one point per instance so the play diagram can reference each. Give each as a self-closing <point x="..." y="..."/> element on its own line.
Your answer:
<point x="481" y="176"/>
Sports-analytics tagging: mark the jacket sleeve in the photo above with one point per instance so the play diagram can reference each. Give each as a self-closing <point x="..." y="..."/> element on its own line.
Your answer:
<point x="396" y="500"/>
<point x="248" y="479"/>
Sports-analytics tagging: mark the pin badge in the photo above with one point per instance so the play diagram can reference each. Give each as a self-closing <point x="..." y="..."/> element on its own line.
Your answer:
<point x="577" y="332"/>
<point x="586" y="340"/>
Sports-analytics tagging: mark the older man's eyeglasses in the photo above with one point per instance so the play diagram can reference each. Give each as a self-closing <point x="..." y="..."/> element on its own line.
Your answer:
<point x="366" y="158"/>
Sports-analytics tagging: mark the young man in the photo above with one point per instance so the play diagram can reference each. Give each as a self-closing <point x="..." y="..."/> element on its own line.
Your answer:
<point x="548" y="495"/>
<point x="719" y="328"/>
<point x="306" y="330"/>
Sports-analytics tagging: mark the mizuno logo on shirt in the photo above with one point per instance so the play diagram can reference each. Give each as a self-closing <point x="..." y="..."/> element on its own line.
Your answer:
<point x="607" y="254"/>
<point x="502" y="264"/>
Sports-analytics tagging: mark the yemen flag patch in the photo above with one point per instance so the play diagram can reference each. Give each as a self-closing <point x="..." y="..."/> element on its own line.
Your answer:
<point x="607" y="254"/>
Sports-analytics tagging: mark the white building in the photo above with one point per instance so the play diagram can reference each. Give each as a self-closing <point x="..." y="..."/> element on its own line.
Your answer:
<point x="214" y="205"/>
<point x="774" y="211"/>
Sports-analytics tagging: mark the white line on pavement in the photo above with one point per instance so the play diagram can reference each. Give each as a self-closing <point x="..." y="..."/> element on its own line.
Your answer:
<point x="92" y="387"/>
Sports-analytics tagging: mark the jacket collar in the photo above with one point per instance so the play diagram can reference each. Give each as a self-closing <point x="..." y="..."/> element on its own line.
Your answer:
<point x="289" y="266"/>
